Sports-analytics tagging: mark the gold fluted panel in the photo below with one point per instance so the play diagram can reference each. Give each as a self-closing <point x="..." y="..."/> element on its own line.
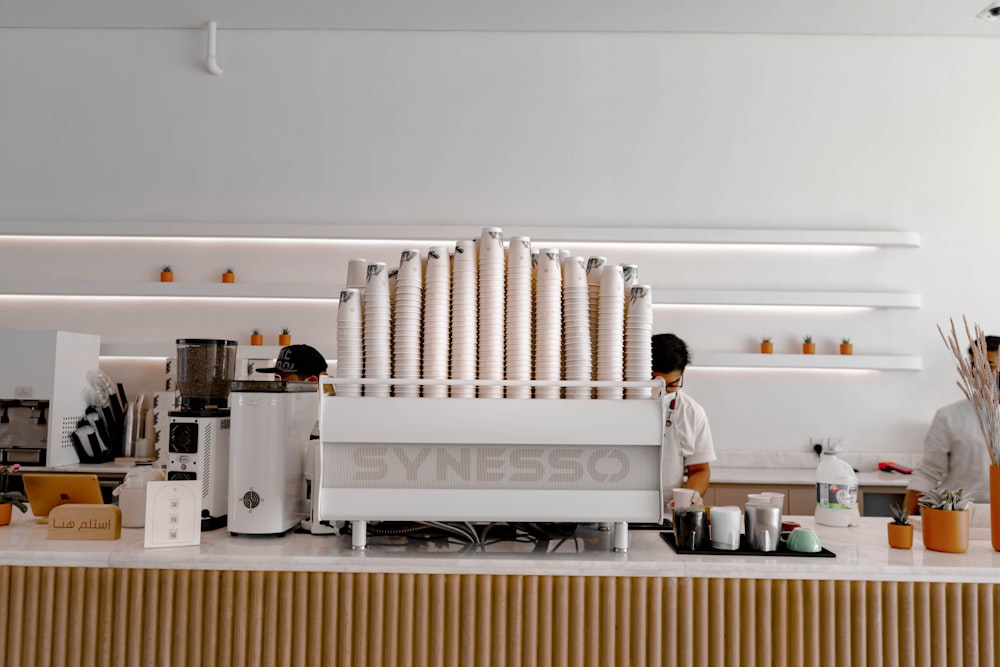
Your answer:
<point x="194" y="618"/>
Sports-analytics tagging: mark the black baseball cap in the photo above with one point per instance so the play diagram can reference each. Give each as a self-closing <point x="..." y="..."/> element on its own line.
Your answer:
<point x="302" y="359"/>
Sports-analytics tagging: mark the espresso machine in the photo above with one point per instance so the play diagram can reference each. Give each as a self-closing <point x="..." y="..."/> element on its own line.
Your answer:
<point x="44" y="394"/>
<point x="271" y="425"/>
<point x="198" y="440"/>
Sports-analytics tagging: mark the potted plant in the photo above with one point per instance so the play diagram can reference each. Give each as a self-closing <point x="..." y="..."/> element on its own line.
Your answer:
<point x="229" y="276"/>
<point x="845" y="346"/>
<point x="284" y="338"/>
<point x="808" y="346"/>
<point x="166" y="274"/>
<point x="9" y="499"/>
<point x="945" y="520"/>
<point x="900" y="529"/>
<point x="256" y="338"/>
<point x="766" y="346"/>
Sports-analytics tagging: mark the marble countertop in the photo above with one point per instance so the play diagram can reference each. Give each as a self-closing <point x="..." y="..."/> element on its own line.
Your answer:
<point x="862" y="554"/>
<point x="800" y="476"/>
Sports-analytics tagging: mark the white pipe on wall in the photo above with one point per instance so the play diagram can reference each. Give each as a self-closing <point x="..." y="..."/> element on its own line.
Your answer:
<point x="213" y="63"/>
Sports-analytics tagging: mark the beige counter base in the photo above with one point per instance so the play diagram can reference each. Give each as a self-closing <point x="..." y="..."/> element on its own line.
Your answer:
<point x="99" y="617"/>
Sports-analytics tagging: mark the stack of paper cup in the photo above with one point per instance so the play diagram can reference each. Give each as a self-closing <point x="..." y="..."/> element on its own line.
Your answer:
<point x="631" y="274"/>
<point x="464" y="313"/>
<point x="350" y="351"/>
<point x="576" y="326"/>
<point x="548" y="322"/>
<point x="595" y="265"/>
<point x="377" y="329"/>
<point x="639" y="340"/>
<point x="611" y="331"/>
<point x="357" y="276"/>
<point x="517" y="349"/>
<point x="407" y="322"/>
<point x="437" y="318"/>
<point x="491" y="310"/>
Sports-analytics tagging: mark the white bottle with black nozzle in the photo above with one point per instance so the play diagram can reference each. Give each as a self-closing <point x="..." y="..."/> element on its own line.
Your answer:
<point x="836" y="492"/>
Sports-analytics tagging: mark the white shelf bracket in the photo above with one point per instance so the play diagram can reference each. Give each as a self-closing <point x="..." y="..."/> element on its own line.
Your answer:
<point x="212" y="63"/>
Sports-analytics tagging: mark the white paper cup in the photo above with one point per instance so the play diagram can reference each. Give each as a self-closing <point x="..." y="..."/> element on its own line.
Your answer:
<point x="357" y="273"/>
<point x="776" y="499"/>
<point x="683" y="497"/>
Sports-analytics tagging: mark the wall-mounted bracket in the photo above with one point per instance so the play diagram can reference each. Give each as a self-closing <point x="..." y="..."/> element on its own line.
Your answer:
<point x="212" y="63"/>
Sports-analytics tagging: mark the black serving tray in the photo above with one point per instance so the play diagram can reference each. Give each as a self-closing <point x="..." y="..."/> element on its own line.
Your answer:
<point x="745" y="550"/>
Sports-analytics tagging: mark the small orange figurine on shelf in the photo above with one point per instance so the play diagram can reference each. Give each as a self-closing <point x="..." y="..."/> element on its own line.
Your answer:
<point x="166" y="274"/>
<point x="256" y="338"/>
<point x="284" y="338"/>
<point x="808" y="346"/>
<point x="229" y="276"/>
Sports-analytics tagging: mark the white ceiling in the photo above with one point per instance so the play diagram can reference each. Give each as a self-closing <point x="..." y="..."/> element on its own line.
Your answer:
<point x="852" y="17"/>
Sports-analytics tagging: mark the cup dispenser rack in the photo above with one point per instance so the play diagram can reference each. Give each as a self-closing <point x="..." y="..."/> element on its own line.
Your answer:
<point x="485" y="460"/>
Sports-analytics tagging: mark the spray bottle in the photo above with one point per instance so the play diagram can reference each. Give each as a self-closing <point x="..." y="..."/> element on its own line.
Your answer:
<point x="836" y="491"/>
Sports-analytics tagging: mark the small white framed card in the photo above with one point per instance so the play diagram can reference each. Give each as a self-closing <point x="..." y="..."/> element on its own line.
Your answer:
<point x="173" y="514"/>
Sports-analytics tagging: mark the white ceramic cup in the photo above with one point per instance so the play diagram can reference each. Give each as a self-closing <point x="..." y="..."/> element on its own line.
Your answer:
<point x="683" y="497"/>
<point x="725" y="523"/>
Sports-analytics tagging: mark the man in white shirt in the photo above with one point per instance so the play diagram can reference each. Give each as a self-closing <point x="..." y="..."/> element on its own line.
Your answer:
<point x="955" y="455"/>
<point x="687" y="439"/>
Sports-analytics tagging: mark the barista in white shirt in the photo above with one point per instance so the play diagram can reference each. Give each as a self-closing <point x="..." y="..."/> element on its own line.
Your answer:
<point x="687" y="439"/>
<point x="955" y="455"/>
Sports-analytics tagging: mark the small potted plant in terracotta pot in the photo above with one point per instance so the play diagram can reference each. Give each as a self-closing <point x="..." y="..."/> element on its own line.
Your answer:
<point x="256" y="338"/>
<point x="9" y="499"/>
<point x="766" y="346"/>
<point x="166" y="274"/>
<point x="808" y="346"/>
<point x="900" y="529"/>
<point x="845" y="346"/>
<point x="945" y="520"/>
<point x="285" y="337"/>
<point x="229" y="276"/>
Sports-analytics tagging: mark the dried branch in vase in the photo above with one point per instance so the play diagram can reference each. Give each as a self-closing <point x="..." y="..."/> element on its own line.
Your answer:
<point x="978" y="382"/>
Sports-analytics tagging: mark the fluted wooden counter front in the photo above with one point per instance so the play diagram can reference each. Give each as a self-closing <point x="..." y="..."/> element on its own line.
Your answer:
<point x="234" y="601"/>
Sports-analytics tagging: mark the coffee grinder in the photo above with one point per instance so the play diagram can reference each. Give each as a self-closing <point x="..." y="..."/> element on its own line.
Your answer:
<point x="199" y="431"/>
<point x="272" y="422"/>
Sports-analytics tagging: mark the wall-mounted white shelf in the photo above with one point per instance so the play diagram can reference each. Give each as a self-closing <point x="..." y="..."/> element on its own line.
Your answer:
<point x="781" y="298"/>
<point x="166" y="350"/>
<point x="814" y="361"/>
<point x="702" y="360"/>
<point x="811" y="17"/>
<point x="183" y="290"/>
<point x="451" y="233"/>
<point x="171" y="290"/>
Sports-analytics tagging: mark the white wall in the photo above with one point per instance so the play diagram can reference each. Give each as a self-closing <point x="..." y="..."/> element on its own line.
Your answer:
<point x="525" y="129"/>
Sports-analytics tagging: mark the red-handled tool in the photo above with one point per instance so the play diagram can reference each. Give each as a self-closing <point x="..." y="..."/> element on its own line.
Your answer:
<point x="889" y="466"/>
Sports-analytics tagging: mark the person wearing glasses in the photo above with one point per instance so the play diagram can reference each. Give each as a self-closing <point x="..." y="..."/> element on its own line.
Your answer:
<point x="954" y="454"/>
<point x="687" y="439"/>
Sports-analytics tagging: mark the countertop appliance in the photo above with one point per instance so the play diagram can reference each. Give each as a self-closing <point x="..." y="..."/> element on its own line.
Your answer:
<point x="487" y="460"/>
<point x="43" y="394"/>
<point x="271" y="425"/>
<point x="198" y="441"/>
